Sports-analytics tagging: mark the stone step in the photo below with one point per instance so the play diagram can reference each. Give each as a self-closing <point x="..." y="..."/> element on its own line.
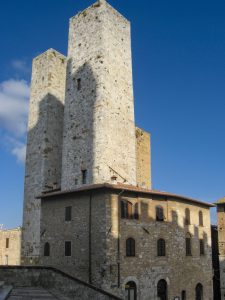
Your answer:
<point x="4" y="292"/>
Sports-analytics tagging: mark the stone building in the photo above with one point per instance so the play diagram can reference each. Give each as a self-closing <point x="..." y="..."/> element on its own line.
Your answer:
<point x="221" y="241"/>
<point x="10" y="246"/>
<point x="89" y="207"/>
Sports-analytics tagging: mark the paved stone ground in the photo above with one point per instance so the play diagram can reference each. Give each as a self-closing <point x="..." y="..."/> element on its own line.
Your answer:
<point x="30" y="294"/>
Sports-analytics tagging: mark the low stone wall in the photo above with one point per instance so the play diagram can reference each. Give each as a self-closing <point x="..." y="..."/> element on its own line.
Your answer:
<point x="50" y="278"/>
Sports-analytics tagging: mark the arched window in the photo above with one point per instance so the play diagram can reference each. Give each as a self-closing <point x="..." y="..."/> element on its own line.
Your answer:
<point x="162" y="290"/>
<point x="183" y="295"/>
<point x="202" y="247"/>
<point x="199" y="292"/>
<point x="159" y="214"/>
<point x="131" y="291"/>
<point x="188" y="244"/>
<point x="187" y="220"/>
<point x="161" y="247"/>
<point x="200" y="215"/>
<point x="126" y="210"/>
<point x="47" y="249"/>
<point x="130" y="247"/>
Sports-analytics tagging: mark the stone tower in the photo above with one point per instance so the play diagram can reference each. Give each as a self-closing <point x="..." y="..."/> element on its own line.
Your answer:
<point x="44" y="144"/>
<point x="221" y="239"/>
<point x="81" y="118"/>
<point x="99" y="131"/>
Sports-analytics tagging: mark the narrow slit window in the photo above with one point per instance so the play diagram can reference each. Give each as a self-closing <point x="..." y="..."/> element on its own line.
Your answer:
<point x="47" y="249"/>
<point x="68" y="248"/>
<point x="202" y="247"/>
<point x="68" y="213"/>
<point x="188" y="245"/>
<point x="79" y="84"/>
<point x="84" y="176"/>
<point x="7" y="243"/>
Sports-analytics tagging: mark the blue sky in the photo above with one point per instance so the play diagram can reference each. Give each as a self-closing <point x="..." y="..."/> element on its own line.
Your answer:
<point x="179" y="73"/>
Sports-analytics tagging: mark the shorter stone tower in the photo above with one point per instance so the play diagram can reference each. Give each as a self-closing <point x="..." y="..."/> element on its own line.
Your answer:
<point x="44" y="144"/>
<point x="221" y="239"/>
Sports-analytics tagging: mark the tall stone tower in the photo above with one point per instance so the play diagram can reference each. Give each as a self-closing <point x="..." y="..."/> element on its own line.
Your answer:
<point x="44" y="144"/>
<point x="81" y="118"/>
<point x="99" y="132"/>
<point x="221" y="239"/>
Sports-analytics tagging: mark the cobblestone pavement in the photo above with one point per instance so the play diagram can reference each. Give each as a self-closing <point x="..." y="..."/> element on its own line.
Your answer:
<point x="30" y="294"/>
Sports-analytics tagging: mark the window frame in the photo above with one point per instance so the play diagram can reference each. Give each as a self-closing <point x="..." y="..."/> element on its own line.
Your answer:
<point x="159" y="213"/>
<point x="130" y="247"/>
<point x="200" y="217"/>
<point x="47" y="249"/>
<point x="7" y="243"/>
<point x="188" y="244"/>
<point x="187" y="219"/>
<point x="161" y="247"/>
<point x="68" y="213"/>
<point x="65" y="248"/>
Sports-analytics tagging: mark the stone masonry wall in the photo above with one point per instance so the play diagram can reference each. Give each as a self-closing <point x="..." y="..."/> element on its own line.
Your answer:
<point x="86" y="232"/>
<point x="181" y="272"/>
<point x="221" y="239"/>
<point x="99" y="130"/>
<point x="52" y="279"/>
<point x="10" y="252"/>
<point x="100" y="258"/>
<point x="143" y="154"/>
<point x="44" y="144"/>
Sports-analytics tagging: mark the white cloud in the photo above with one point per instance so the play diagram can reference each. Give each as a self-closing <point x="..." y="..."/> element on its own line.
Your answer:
<point x="14" y="96"/>
<point x="18" y="149"/>
<point x="20" y="65"/>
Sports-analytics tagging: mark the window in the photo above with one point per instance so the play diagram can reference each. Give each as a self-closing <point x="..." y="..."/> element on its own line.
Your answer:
<point x="188" y="244"/>
<point x="130" y="247"/>
<point x="161" y="247"/>
<point x="159" y="214"/>
<point x="199" y="292"/>
<point x="47" y="249"/>
<point x="127" y="210"/>
<point x="200" y="218"/>
<point x="67" y="248"/>
<point x="131" y="291"/>
<point x="136" y="212"/>
<point x="7" y="243"/>
<point x="202" y="247"/>
<point x="68" y="213"/>
<point x="79" y="84"/>
<point x="84" y="176"/>
<point x="162" y="290"/>
<point x="183" y="295"/>
<point x="187" y="220"/>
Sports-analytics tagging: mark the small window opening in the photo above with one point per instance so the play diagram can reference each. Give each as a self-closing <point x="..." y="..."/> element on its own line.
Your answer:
<point x="68" y="213"/>
<point x="47" y="249"/>
<point x="183" y="295"/>
<point x="187" y="220"/>
<point x="84" y="176"/>
<point x="161" y="247"/>
<point x="159" y="214"/>
<point x="7" y="243"/>
<point x="79" y="84"/>
<point x="130" y="247"/>
<point x="200" y="218"/>
<point x="188" y="245"/>
<point x="202" y="247"/>
<point x="67" y="248"/>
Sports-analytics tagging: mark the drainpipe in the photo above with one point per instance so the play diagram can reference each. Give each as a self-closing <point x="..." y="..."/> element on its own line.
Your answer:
<point x="90" y="237"/>
<point x="118" y="241"/>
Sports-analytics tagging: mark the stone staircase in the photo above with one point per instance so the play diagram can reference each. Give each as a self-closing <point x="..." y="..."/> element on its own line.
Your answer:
<point x="4" y="290"/>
